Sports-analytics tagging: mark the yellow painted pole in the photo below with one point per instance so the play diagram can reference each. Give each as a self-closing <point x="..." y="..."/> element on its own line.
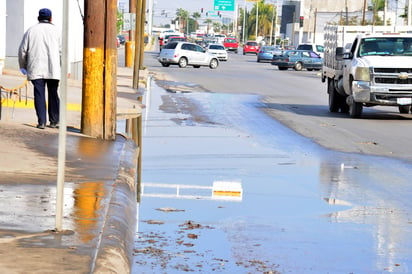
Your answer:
<point x="129" y="56"/>
<point x="110" y="72"/>
<point x="93" y="69"/>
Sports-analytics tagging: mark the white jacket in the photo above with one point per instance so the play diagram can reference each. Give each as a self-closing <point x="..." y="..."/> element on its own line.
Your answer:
<point x="40" y="52"/>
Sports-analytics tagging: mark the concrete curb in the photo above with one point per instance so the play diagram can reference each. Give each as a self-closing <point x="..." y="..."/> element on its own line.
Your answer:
<point x="115" y="251"/>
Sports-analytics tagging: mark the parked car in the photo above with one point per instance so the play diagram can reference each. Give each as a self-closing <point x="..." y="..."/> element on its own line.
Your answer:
<point x="250" y="47"/>
<point x="176" y="39"/>
<point x="122" y="39"/>
<point x="319" y="49"/>
<point x="298" y="59"/>
<point x="185" y="53"/>
<point x="266" y="53"/>
<point x="231" y="44"/>
<point x="219" y="50"/>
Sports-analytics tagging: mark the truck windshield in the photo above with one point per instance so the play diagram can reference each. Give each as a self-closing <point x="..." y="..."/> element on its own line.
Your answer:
<point x="399" y="46"/>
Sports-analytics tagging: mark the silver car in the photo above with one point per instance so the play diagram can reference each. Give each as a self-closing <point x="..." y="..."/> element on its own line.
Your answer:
<point x="218" y="50"/>
<point x="185" y="53"/>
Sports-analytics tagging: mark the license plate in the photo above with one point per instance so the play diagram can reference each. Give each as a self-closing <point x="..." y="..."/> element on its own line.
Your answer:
<point x="404" y="101"/>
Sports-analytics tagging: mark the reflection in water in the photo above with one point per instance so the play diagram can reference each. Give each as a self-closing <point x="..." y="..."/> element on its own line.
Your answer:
<point x="92" y="148"/>
<point x="221" y="190"/>
<point x="87" y="205"/>
<point x="302" y="208"/>
<point x="363" y="188"/>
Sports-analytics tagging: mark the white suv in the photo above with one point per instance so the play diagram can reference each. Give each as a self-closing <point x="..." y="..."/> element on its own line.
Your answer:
<point x="319" y="49"/>
<point x="184" y="54"/>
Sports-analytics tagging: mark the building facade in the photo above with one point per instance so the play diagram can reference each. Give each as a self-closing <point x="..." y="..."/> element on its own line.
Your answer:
<point x="16" y="16"/>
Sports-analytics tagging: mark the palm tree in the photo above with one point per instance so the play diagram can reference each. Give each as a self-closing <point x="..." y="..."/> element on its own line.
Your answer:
<point x="196" y="16"/>
<point x="265" y="13"/>
<point x="216" y="26"/>
<point x="184" y="16"/>
<point x="208" y="22"/>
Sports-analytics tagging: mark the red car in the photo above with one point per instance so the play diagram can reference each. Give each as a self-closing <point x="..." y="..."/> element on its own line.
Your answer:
<point x="231" y="44"/>
<point x="251" y="47"/>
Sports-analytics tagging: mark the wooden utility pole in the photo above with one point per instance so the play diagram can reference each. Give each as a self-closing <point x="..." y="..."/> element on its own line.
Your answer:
<point x="110" y="74"/>
<point x="132" y="10"/>
<point x="138" y="43"/>
<point x="142" y="32"/>
<point x="99" y="69"/>
<point x="364" y="13"/>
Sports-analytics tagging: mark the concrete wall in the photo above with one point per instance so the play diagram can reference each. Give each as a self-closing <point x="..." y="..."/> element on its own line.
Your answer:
<point x="22" y="14"/>
<point x="2" y="34"/>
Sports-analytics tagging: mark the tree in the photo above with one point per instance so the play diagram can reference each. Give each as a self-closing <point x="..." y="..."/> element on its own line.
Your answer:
<point x="216" y="26"/>
<point x="208" y="22"/>
<point x="196" y="17"/>
<point x="265" y="14"/>
<point x="183" y="16"/>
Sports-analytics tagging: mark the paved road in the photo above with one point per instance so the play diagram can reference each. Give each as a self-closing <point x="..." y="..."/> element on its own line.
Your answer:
<point x="302" y="209"/>
<point x="298" y="100"/>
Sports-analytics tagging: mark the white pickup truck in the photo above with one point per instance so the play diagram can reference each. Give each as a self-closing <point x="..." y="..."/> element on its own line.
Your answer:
<point x="367" y="66"/>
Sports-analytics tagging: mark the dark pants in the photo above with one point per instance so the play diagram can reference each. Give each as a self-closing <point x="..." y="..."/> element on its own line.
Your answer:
<point x="52" y="99"/>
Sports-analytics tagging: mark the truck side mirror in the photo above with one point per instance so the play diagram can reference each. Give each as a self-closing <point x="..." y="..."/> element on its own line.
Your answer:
<point x="340" y="51"/>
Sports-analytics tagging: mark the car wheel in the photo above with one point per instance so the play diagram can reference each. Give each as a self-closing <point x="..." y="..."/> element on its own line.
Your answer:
<point x="298" y="66"/>
<point x="244" y="53"/>
<point x="213" y="63"/>
<point x="165" y="64"/>
<point x="182" y="62"/>
<point x="404" y="109"/>
<point x="310" y="69"/>
<point x="258" y="60"/>
<point x="282" y="68"/>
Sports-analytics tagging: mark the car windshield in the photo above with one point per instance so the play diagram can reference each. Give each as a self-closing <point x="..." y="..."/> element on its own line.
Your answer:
<point x="231" y="40"/>
<point x="305" y="47"/>
<point x="386" y="46"/>
<point x="216" y="47"/>
<point x="268" y="48"/>
<point x="177" y="39"/>
<point x="251" y="43"/>
<point x="170" y="45"/>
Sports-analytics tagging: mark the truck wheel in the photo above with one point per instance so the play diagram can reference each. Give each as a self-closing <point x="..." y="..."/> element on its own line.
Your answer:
<point x="334" y="102"/>
<point x="344" y="107"/>
<point x="298" y="66"/>
<point x="355" y="110"/>
<point x="282" y="68"/>
<point x="404" y="109"/>
<point x="182" y="62"/>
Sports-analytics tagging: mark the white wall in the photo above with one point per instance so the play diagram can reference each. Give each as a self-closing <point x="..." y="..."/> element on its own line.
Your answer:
<point x="22" y="14"/>
<point x="2" y="34"/>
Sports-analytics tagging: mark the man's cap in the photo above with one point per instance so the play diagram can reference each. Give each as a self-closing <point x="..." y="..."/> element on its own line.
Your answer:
<point x="45" y="14"/>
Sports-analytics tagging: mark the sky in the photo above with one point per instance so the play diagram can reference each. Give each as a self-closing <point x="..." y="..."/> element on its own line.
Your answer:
<point x="165" y="10"/>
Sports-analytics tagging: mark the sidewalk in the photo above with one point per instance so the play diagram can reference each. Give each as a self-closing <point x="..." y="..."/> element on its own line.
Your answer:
<point x="99" y="194"/>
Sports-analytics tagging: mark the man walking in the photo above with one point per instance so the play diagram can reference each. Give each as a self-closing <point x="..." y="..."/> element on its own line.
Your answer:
<point x="39" y="58"/>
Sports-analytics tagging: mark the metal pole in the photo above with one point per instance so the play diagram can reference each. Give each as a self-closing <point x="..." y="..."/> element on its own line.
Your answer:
<point x="271" y="25"/>
<point x="62" y="120"/>
<point x="257" y="20"/>
<point x="301" y="14"/>
<point x="244" y="23"/>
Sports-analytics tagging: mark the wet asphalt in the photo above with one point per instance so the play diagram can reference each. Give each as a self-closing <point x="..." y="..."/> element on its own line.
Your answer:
<point x="286" y="205"/>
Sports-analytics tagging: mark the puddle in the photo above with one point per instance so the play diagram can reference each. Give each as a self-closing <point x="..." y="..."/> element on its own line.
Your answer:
<point x="303" y="209"/>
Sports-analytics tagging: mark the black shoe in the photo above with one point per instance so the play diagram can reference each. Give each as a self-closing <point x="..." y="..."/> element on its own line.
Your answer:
<point x="41" y="126"/>
<point x="54" y="125"/>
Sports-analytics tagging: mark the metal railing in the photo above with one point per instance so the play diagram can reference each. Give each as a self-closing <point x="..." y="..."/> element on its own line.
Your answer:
<point x="12" y="93"/>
